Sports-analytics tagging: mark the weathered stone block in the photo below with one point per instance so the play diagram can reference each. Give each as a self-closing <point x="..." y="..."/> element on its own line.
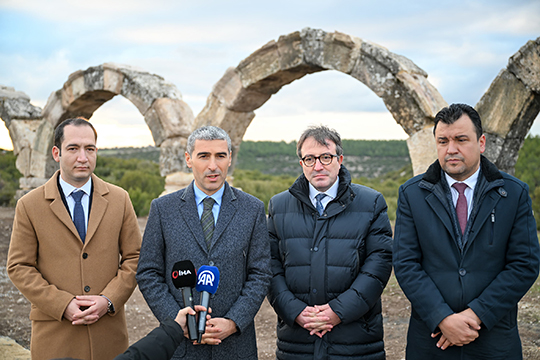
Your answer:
<point x="112" y="80"/>
<point x="340" y="52"/>
<point x="53" y="110"/>
<point x="503" y="104"/>
<point x="263" y="63"/>
<point x="422" y="149"/>
<point x="230" y="92"/>
<point x="169" y="118"/>
<point x="29" y="183"/>
<point x="171" y="158"/>
<point x="525" y="65"/>
<point x="177" y="181"/>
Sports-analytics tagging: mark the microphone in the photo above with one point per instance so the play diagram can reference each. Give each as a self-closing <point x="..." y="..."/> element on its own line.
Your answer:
<point x="207" y="283"/>
<point x="184" y="277"/>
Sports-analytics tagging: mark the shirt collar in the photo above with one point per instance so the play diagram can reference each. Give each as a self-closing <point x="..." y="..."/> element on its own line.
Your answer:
<point x="331" y="193"/>
<point x="470" y="181"/>
<point x="201" y="195"/>
<point x="68" y="188"/>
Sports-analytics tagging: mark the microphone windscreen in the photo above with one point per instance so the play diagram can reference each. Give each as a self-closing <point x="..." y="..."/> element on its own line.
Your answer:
<point x="184" y="274"/>
<point x="207" y="279"/>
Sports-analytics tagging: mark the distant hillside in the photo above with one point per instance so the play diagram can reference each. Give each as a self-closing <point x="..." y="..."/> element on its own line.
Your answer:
<point x="363" y="158"/>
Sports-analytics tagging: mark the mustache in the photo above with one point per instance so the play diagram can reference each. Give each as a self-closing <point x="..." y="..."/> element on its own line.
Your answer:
<point x="211" y="173"/>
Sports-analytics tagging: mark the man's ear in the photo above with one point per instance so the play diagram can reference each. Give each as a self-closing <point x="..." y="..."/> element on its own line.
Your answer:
<point x="56" y="154"/>
<point x="188" y="159"/>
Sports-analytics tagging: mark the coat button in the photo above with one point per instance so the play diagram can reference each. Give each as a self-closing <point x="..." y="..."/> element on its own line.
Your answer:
<point x="84" y="255"/>
<point x="462" y="272"/>
<point x="211" y="263"/>
<point x="314" y="291"/>
<point x="315" y="249"/>
<point x="87" y="288"/>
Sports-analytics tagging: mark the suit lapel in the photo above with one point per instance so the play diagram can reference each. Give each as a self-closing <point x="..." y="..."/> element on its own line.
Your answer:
<point x="226" y="212"/>
<point x="99" y="207"/>
<point x="188" y="210"/>
<point x="488" y="204"/>
<point x="440" y="210"/>
<point x="57" y="205"/>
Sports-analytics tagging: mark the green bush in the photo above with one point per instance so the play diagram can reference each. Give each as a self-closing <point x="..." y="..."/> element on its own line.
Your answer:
<point x="9" y="178"/>
<point x="140" y="178"/>
<point x="528" y="170"/>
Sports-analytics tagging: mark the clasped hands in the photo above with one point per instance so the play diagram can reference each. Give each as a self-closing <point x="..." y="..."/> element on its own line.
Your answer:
<point x="86" y="309"/>
<point x="318" y="319"/>
<point x="458" y="329"/>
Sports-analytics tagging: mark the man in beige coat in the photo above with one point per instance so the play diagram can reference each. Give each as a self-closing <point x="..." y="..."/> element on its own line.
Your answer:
<point x="76" y="277"/>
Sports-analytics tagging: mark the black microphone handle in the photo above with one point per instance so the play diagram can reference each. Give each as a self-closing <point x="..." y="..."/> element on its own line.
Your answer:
<point x="205" y="300"/>
<point x="191" y="320"/>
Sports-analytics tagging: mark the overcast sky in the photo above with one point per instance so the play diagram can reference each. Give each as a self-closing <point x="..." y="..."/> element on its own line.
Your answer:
<point x="462" y="45"/>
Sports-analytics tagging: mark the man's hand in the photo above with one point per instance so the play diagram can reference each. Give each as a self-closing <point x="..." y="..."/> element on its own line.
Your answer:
<point x="94" y="306"/>
<point x="181" y="319"/>
<point x="318" y="319"/>
<point x="458" y="329"/>
<point x="218" y="329"/>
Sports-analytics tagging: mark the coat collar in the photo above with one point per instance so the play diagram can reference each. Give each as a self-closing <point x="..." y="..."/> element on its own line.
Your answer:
<point x="97" y="210"/>
<point x="300" y="188"/>
<point x="487" y="168"/>
<point x="188" y="210"/>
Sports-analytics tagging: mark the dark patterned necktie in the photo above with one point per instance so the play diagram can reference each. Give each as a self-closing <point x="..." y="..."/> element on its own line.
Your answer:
<point x="461" y="205"/>
<point x="318" y="199"/>
<point x="207" y="220"/>
<point x="78" y="214"/>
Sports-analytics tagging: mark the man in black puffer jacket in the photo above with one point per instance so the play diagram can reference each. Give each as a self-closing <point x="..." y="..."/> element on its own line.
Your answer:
<point x="331" y="258"/>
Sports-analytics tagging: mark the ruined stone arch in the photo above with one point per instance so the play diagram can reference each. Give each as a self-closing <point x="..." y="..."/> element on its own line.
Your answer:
<point x="168" y="117"/>
<point x="402" y="85"/>
<point x="508" y="108"/>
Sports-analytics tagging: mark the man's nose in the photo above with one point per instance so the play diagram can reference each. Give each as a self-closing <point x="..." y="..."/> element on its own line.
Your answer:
<point x="452" y="147"/>
<point x="81" y="156"/>
<point x="212" y="164"/>
<point x="318" y="165"/>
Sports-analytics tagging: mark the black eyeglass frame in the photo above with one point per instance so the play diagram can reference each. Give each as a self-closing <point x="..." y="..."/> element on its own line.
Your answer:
<point x="332" y="156"/>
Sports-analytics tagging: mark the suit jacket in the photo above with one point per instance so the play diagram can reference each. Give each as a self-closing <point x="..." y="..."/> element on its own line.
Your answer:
<point x="239" y="249"/>
<point x="489" y="273"/>
<point x="50" y="265"/>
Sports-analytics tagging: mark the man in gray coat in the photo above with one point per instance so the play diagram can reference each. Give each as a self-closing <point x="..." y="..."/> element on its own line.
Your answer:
<point x="209" y="223"/>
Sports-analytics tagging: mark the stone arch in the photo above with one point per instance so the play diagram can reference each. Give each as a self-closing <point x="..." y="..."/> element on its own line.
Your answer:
<point x="402" y="85"/>
<point x="169" y="118"/>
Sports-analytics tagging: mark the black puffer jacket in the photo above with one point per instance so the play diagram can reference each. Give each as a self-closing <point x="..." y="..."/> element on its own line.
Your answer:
<point x="343" y="258"/>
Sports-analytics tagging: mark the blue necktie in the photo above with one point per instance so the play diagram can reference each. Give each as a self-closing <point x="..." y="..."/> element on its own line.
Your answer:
<point x="78" y="214"/>
<point x="318" y="198"/>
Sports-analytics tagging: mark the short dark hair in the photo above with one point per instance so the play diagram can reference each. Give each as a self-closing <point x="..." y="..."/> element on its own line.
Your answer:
<point x="320" y="134"/>
<point x="452" y="113"/>
<point x="207" y="133"/>
<point x="59" y="131"/>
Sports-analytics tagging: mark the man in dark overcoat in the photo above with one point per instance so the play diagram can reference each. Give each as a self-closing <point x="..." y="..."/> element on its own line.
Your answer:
<point x="465" y="248"/>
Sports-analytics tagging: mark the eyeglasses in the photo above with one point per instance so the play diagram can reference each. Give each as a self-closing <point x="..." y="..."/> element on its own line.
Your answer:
<point x="325" y="159"/>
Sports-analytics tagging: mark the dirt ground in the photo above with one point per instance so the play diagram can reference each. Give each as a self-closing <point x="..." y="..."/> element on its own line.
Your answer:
<point x="14" y="310"/>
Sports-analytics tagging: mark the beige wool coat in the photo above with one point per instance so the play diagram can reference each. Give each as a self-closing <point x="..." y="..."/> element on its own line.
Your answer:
<point x="50" y="265"/>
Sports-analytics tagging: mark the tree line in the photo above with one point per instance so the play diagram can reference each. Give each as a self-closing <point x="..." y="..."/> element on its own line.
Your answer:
<point x="266" y="168"/>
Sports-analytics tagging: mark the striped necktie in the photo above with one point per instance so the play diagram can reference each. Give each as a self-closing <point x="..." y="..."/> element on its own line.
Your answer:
<point x="207" y="220"/>
<point x="320" y="207"/>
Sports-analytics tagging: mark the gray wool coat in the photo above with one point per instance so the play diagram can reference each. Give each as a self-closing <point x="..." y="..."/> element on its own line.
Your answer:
<point x="240" y="250"/>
